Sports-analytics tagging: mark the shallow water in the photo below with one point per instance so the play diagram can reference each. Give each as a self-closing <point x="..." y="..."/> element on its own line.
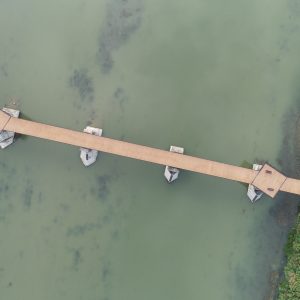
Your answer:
<point x="216" y="78"/>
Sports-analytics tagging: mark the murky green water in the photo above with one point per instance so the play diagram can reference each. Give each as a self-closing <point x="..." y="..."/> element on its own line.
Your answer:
<point x="215" y="77"/>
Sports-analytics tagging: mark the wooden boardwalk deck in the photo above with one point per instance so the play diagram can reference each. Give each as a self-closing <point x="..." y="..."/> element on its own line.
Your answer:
<point x="268" y="180"/>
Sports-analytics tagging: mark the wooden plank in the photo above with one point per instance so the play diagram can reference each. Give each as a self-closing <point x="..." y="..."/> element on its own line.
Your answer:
<point x="130" y="150"/>
<point x="291" y="185"/>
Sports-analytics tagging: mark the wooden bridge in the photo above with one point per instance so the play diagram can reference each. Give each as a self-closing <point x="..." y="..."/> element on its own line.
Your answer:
<point x="268" y="180"/>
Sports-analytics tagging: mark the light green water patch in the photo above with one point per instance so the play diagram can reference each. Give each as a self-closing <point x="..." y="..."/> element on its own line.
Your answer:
<point x="212" y="77"/>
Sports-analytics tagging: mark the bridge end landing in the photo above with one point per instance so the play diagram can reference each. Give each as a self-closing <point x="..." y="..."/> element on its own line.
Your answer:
<point x="269" y="180"/>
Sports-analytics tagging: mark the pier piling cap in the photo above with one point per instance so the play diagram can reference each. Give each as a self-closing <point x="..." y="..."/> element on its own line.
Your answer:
<point x="269" y="180"/>
<point x="4" y="118"/>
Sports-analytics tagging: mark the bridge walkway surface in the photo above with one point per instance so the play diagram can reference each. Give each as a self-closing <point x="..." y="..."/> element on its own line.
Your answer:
<point x="268" y="180"/>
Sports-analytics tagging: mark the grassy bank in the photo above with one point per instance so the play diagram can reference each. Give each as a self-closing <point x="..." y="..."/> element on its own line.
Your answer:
<point x="289" y="288"/>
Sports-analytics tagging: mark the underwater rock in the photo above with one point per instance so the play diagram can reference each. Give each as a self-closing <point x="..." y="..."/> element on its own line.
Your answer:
<point x="82" y="229"/>
<point x="6" y="190"/>
<point x="297" y="147"/>
<point x="123" y="18"/>
<point x="121" y="97"/>
<point x="289" y="155"/>
<point x="103" y="182"/>
<point x="27" y="196"/>
<point x="77" y="258"/>
<point x="3" y="70"/>
<point x="294" y="7"/>
<point x="83" y="84"/>
<point x="106" y="271"/>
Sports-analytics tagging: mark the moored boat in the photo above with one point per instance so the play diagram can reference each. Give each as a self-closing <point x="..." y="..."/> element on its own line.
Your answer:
<point x="254" y="193"/>
<point x="7" y="137"/>
<point x="171" y="173"/>
<point x="89" y="156"/>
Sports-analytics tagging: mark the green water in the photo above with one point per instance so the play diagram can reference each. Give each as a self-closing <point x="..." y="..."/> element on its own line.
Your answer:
<point x="216" y="77"/>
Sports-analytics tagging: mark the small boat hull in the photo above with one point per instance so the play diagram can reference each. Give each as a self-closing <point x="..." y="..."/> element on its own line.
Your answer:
<point x="8" y="137"/>
<point x="89" y="156"/>
<point x="254" y="193"/>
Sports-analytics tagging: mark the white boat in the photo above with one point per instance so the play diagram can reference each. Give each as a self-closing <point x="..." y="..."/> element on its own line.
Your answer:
<point x="172" y="173"/>
<point x="89" y="156"/>
<point x="7" y="137"/>
<point x="254" y="193"/>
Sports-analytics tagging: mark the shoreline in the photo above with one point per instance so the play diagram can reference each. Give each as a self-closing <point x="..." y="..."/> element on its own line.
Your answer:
<point x="286" y="209"/>
<point x="289" y="287"/>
